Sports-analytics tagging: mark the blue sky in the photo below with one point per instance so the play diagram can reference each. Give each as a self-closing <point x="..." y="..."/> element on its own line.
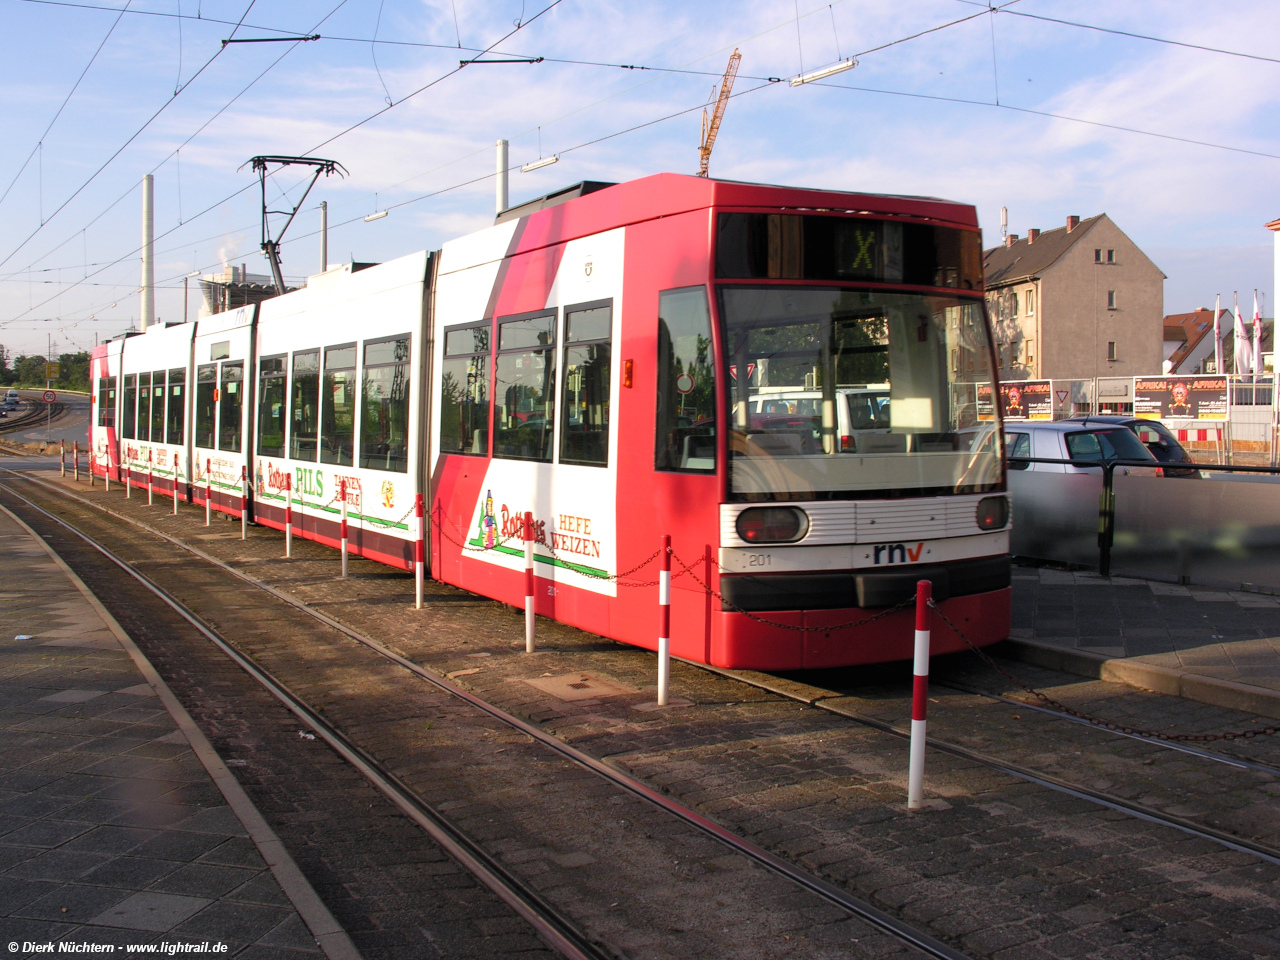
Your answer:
<point x="1198" y="210"/>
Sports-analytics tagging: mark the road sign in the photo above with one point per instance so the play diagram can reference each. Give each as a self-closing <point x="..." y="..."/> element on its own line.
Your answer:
<point x="684" y="383"/>
<point x="52" y="370"/>
<point x="49" y="396"/>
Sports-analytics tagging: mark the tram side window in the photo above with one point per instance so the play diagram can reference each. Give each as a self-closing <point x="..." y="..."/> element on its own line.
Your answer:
<point x="176" y="420"/>
<point x="304" y="406"/>
<point x="525" y="390"/>
<point x="144" y="406"/>
<point x="157" y="407"/>
<point x="206" y="404"/>
<point x="129" y="429"/>
<point x="686" y="431"/>
<point x="338" y="410"/>
<point x="584" y="427"/>
<point x="464" y="391"/>
<point x="271" y="384"/>
<point x="230" y="405"/>
<point x="107" y="402"/>
<point x="384" y="402"/>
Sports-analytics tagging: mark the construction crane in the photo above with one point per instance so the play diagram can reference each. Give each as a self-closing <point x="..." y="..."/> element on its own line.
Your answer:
<point x="711" y="125"/>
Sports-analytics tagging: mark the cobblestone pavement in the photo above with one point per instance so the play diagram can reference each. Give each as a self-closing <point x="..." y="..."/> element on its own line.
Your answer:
<point x="111" y="831"/>
<point x="1001" y="867"/>
<point x="1226" y="634"/>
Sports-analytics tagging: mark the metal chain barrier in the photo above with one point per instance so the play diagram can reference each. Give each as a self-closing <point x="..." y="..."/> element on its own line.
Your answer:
<point x="1089" y="718"/>
<point x="886" y="612"/>
<point x="387" y="525"/>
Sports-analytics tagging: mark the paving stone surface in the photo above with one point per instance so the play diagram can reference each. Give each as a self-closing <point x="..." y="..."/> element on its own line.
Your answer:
<point x="1227" y="634"/>
<point x="999" y="866"/>
<point x="111" y="831"/>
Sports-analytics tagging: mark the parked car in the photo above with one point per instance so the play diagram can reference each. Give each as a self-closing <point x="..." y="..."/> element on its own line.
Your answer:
<point x="862" y="415"/>
<point x="1055" y="505"/>
<point x="1157" y="438"/>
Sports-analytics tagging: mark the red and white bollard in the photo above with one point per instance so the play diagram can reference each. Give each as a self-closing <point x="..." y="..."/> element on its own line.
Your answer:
<point x="75" y="460"/>
<point x="528" y="583"/>
<point x="288" y="515"/>
<point x="244" y="503"/>
<point x="919" y="698"/>
<point x="208" y="491"/>
<point x="150" y="476"/>
<point x="93" y="460"/>
<point x="62" y="455"/>
<point x="419" y="553"/>
<point x="664" y="622"/>
<point x="342" y="530"/>
<point x="128" y="482"/>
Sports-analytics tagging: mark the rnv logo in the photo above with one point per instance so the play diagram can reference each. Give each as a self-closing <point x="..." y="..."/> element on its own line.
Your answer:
<point x="898" y="553"/>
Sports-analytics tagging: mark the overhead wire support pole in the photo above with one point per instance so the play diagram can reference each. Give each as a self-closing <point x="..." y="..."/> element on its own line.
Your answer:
<point x="260" y="166"/>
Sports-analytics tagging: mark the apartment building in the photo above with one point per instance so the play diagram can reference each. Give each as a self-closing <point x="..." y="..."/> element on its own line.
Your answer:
<point x="1076" y="302"/>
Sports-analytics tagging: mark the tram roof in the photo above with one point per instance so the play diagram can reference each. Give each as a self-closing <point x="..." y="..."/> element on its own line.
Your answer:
<point x="592" y="206"/>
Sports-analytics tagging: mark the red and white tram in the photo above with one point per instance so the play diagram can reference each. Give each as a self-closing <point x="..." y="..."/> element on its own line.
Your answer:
<point x="794" y="385"/>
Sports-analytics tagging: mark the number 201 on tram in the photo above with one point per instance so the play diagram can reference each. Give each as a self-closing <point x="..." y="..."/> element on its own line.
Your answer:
<point x="794" y="385"/>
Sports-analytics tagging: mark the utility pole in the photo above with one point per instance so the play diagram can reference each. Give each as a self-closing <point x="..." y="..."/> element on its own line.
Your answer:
<point x="324" y="235"/>
<point x="48" y="385"/>
<point x="501" y="197"/>
<point x="148" y="249"/>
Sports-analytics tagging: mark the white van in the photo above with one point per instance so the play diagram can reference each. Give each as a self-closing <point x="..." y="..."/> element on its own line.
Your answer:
<point x="862" y="415"/>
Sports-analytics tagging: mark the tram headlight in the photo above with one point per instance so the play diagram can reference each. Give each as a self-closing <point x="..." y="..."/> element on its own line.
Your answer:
<point x="993" y="513"/>
<point x="772" y="524"/>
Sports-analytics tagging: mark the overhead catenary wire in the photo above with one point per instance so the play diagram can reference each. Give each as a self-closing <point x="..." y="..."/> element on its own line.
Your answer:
<point x="62" y="106"/>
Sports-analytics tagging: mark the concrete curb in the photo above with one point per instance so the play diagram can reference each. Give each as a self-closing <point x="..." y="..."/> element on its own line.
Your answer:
<point x="1145" y="676"/>
<point x="328" y="933"/>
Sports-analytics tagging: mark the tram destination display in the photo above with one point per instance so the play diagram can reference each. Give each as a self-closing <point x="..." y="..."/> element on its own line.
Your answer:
<point x="1180" y="398"/>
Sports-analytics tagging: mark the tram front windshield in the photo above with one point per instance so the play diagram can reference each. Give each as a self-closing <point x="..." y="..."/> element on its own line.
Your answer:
<point x="838" y="394"/>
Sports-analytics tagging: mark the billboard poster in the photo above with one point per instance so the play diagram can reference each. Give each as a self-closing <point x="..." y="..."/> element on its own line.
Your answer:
<point x="1180" y="398"/>
<point x="986" y="409"/>
<point x="1027" y="400"/>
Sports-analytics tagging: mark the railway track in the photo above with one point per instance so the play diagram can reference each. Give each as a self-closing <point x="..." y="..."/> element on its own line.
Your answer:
<point x="554" y="925"/>
<point x="1264" y="852"/>
<point x="36" y="414"/>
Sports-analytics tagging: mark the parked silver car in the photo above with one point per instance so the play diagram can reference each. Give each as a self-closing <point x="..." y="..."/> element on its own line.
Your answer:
<point x="1055" y="505"/>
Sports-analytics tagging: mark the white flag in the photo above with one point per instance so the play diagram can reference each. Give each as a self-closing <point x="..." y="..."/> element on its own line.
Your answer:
<point x="1243" y="355"/>
<point x="1217" y="336"/>
<point x="1257" y="336"/>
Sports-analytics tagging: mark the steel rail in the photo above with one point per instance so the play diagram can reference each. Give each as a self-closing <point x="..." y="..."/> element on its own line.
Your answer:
<point x="36" y="415"/>
<point x="556" y="930"/>
<point x="771" y="862"/>
<point x="1110" y="801"/>
<point x="1229" y="759"/>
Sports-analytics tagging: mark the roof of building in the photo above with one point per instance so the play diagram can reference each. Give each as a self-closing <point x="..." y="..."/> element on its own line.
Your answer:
<point x="1026" y="258"/>
<point x="1191" y="328"/>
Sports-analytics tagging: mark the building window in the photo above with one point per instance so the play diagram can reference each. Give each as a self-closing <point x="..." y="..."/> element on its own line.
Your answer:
<point x="1097" y="256"/>
<point x="1031" y="303"/>
<point x="1111" y="256"/>
<point x="384" y="398"/>
<point x="584" y="430"/>
<point x="1013" y="305"/>
<point x="464" y="391"/>
<point x="1031" y="351"/>
<point x="1111" y="300"/>
<point x="1111" y="350"/>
